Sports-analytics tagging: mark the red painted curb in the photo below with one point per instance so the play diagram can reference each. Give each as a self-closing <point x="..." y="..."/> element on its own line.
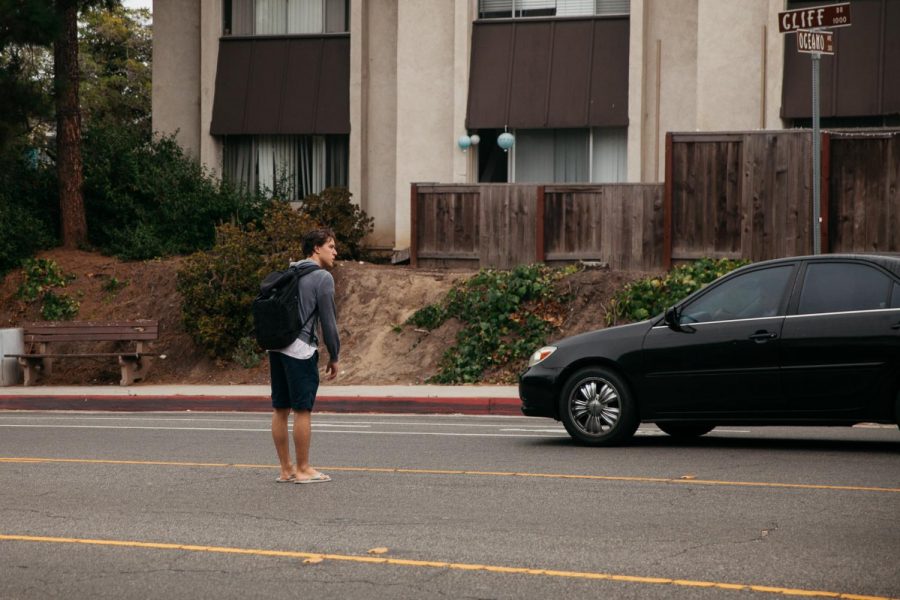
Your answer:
<point x="338" y="404"/>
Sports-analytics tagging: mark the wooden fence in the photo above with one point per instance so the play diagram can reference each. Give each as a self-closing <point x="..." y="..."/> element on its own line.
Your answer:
<point x="734" y="195"/>
<point x="501" y="226"/>
<point x="749" y="195"/>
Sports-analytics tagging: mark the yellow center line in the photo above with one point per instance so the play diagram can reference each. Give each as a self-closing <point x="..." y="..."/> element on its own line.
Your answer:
<point x="444" y="565"/>
<point x="665" y="480"/>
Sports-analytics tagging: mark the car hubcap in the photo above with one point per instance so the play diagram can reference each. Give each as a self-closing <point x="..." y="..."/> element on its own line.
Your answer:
<point x="595" y="406"/>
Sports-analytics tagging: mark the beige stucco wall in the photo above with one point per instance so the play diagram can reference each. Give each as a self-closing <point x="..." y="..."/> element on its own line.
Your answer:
<point x="185" y="51"/>
<point x="706" y="65"/>
<point x="175" y="98"/>
<point x="373" y="113"/>
<point x="428" y="116"/>
<point x="210" y="31"/>
<point x="719" y="68"/>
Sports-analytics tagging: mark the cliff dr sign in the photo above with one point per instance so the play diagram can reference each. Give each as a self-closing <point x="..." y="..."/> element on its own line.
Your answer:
<point x="808" y="25"/>
<point x="830" y="16"/>
<point x="815" y="41"/>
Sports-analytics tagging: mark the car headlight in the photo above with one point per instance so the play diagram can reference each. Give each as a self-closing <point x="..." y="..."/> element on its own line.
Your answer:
<point x="540" y="355"/>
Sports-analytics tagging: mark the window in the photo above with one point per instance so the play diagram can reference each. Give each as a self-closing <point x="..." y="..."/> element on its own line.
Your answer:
<point x="509" y="9"/>
<point x="290" y="166"/>
<point x="753" y="295"/>
<point x="595" y="155"/>
<point x="895" y="296"/>
<point x="285" y="17"/>
<point x="839" y="287"/>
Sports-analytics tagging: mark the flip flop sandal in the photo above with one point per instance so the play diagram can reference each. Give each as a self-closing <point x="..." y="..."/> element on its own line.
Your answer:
<point x="290" y="479"/>
<point x="319" y="478"/>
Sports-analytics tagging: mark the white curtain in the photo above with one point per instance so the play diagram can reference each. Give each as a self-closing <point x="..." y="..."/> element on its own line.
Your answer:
<point x="265" y="163"/>
<point x="610" y="155"/>
<point x="270" y="17"/>
<point x="573" y="8"/>
<point x="285" y="152"/>
<point x="570" y="156"/>
<point x="496" y="8"/>
<point x="294" y="166"/>
<point x="613" y="7"/>
<point x="537" y="4"/>
<point x="534" y="156"/>
<point x="239" y="162"/>
<point x="335" y="16"/>
<point x="242" y="20"/>
<point x="336" y="160"/>
<point x="305" y="16"/>
<point x="552" y="156"/>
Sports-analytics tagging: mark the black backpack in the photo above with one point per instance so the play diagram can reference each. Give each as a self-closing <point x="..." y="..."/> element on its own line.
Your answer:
<point x="276" y="311"/>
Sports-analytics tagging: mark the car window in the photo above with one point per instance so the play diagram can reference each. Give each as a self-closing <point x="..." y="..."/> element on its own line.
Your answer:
<point x="895" y="296"/>
<point x="751" y="295"/>
<point x="840" y="287"/>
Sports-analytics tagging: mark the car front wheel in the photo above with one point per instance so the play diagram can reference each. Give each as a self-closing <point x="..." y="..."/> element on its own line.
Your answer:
<point x="686" y="430"/>
<point x="597" y="408"/>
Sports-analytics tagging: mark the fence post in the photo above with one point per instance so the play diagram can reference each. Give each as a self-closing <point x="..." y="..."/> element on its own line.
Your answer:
<point x="539" y="225"/>
<point x="667" y="206"/>
<point x="413" y="226"/>
<point x="825" y="191"/>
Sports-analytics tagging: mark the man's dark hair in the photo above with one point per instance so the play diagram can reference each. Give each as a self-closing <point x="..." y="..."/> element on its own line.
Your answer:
<point x="315" y="238"/>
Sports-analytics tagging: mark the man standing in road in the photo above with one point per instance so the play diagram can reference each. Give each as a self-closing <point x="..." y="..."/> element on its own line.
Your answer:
<point x="294" y="369"/>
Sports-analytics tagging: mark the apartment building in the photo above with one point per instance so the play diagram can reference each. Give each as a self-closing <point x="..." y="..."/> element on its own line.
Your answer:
<point x="376" y="94"/>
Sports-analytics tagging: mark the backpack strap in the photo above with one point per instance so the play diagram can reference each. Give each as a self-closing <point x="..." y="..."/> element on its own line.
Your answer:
<point x="307" y="269"/>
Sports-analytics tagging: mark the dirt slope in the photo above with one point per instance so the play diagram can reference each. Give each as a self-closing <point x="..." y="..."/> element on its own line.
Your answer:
<point x="372" y="300"/>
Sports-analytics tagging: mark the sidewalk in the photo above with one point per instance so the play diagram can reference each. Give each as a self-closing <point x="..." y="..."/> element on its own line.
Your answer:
<point x="430" y="399"/>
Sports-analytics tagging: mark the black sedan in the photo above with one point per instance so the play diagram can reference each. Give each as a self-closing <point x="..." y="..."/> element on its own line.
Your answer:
<point x="809" y="340"/>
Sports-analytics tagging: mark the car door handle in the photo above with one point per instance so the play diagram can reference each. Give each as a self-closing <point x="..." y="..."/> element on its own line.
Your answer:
<point x="896" y="325"/>
<point x="763" y="336"/>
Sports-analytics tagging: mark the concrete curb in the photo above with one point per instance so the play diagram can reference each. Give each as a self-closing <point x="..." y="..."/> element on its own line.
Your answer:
<point x="468" y="404"/>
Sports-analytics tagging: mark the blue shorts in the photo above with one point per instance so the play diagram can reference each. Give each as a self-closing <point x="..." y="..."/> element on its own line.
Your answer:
<point x="294" y="381"/>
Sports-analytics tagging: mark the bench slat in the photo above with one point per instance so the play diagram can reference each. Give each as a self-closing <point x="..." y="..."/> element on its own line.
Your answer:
<point x="98" y="337"/>
<point x="64" y="324"/>
<point x="90" y="331"/>
<point x="81" y="355"/>
<point x="150" y="327"/>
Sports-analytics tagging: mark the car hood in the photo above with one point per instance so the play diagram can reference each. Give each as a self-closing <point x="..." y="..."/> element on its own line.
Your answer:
<point x="612" y="343"/>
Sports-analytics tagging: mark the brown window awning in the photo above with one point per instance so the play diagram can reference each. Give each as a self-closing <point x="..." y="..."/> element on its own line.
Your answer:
<point x="549" y="73"/>
<point x="282" y="85"/>
<point x="862" y="79"/>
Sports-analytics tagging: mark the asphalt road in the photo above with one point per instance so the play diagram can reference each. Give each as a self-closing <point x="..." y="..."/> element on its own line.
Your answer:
<point x="178" y="505"/>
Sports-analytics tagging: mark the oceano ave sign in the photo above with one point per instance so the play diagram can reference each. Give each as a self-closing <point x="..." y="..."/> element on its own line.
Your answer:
<point x="821" y="42"/>
<point x="814" y="17"/>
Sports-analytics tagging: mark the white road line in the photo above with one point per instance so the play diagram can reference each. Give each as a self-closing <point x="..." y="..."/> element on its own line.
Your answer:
<point x="260" y="421"/>
<point x="267" y="430"/>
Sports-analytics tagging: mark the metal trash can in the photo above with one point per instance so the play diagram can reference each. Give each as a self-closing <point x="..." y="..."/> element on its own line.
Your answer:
<point x="12" y="341"/>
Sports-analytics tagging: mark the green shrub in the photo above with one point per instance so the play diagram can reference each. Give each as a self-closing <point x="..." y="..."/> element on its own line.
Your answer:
<point x="247" y="353"/>
<point x="646" y="298"/>
<point x="41" y="276"/>
<point x="59" y="307"/>
<point x="219" y="285"/>
<point x="28" y="208"/>
<point x="334" y="208"/>
<point x="506" y="315"/>
<point x="146" y="199"/>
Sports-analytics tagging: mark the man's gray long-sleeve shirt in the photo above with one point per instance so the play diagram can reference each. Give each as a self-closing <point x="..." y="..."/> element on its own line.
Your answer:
<point x="317" y="290"/>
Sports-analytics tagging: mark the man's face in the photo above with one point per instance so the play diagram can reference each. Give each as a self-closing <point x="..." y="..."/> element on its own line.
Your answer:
<point x="327" y="253"/>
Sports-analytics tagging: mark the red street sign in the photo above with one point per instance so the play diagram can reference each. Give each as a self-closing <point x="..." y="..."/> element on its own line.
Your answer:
<point x="832" y="15"/>
<point x="812" y="42"/>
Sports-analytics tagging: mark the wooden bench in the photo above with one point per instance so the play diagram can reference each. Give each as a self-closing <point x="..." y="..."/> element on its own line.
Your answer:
<point x="38" y="357"/>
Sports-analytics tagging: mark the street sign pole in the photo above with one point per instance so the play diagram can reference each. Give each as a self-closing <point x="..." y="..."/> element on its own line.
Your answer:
<point x="816" y="156"/>
<point x="809" y="25"/>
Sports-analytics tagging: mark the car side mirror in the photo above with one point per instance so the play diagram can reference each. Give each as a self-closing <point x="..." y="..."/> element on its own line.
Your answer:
<point x="673" y="319"/>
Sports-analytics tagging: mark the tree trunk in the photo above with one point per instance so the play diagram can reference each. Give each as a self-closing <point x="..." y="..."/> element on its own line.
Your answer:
<point x="68" y="127"/>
